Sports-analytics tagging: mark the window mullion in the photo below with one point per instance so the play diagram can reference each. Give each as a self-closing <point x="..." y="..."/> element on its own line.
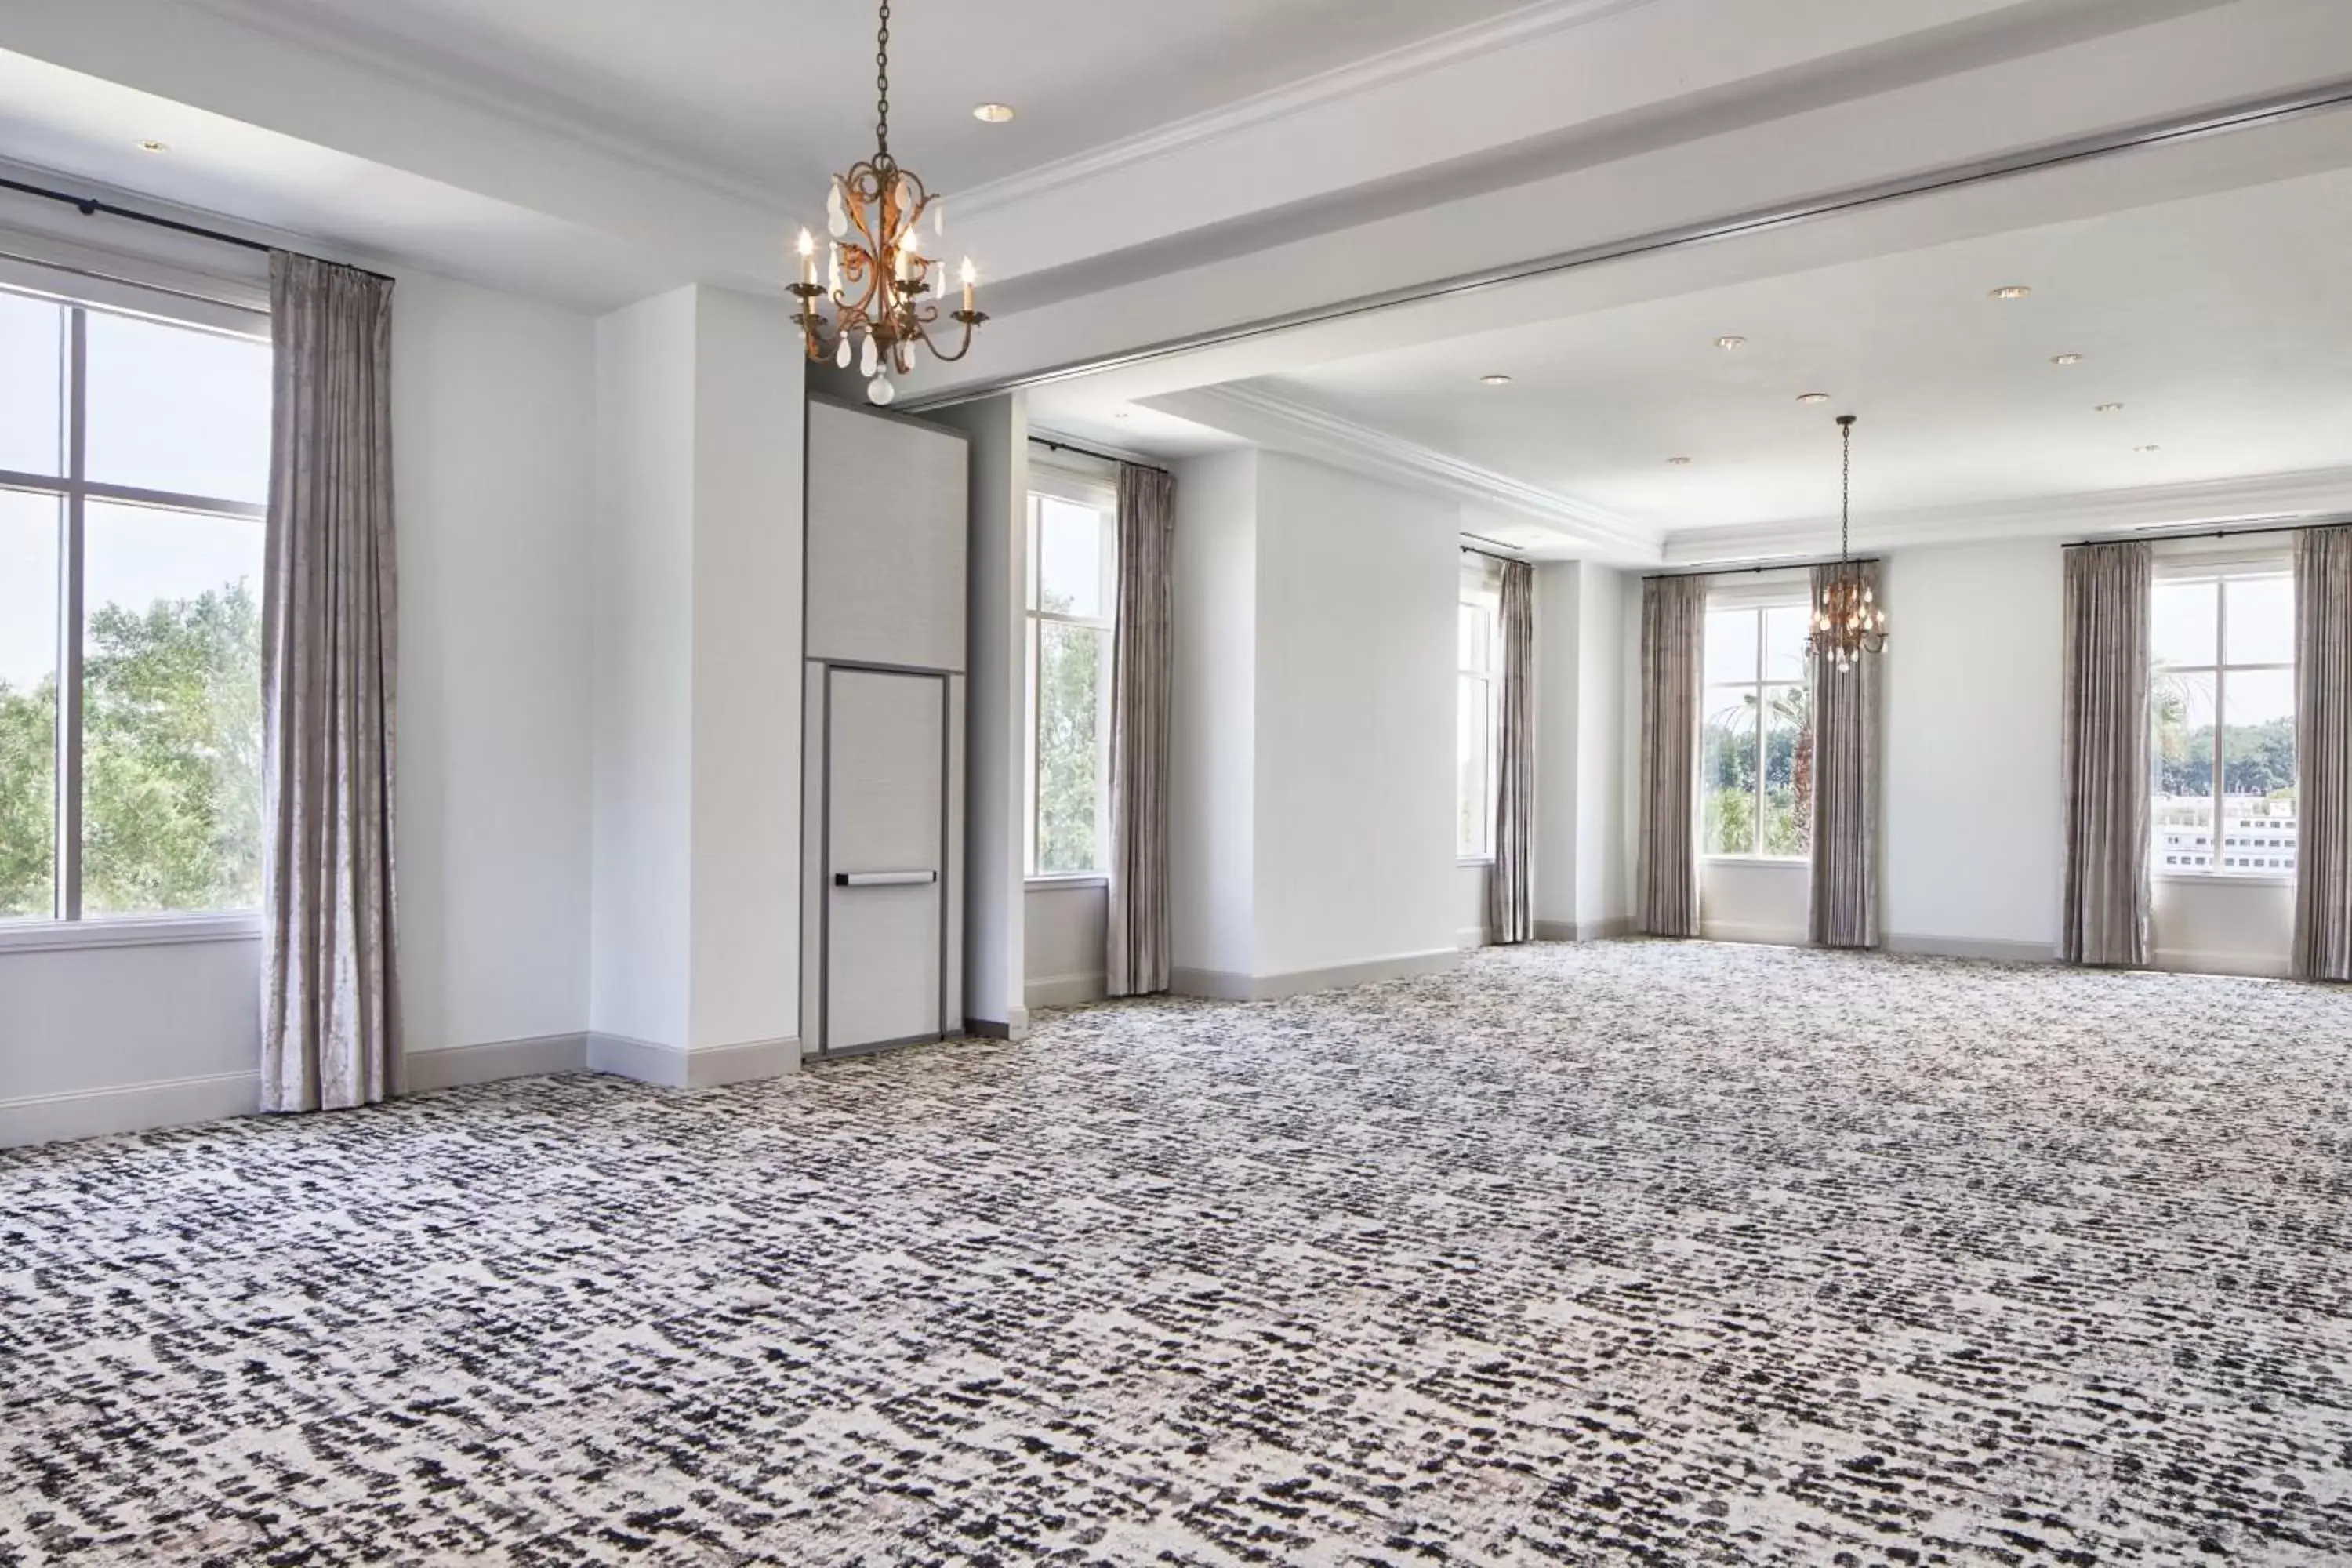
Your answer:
<point x="2221" y="727"/>
<point x="68" y="859"/>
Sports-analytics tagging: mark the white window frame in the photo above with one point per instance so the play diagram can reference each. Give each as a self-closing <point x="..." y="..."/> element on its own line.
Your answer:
<point x="82" y="297"/>
<point x="2219" y="570"/>
<point x="1481" y="593"/>
<point x="1762" y="598"/>
<point x="1082" y="490"/>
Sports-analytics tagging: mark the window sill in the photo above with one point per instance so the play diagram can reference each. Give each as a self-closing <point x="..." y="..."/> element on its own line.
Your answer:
<point x="1474" y="859"/>
<point x="1067" y="879"/>
<point x="167" y="930"/>
<point x="2227" y="879"/>
<point x="1786" y="862"/>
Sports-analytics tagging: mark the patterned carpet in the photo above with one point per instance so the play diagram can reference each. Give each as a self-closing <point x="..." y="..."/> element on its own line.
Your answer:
<point x="1577" y="1256"/>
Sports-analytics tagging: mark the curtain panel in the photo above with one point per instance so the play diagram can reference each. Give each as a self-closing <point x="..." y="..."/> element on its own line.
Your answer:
<point x="1845" y="719"/>
<point x="2104" y="918"/>
<point x="1136" y="934"/>
<point x="330" y="995"/>
<point x="1674" y="629"/>
<point x="1510" y="889"/>
<point x="2323" y="751"/>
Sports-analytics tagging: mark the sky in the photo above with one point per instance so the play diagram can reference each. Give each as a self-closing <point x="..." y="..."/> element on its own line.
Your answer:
<point x="171" y="409"/>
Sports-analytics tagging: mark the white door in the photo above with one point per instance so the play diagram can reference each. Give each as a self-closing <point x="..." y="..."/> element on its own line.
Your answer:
<point x="886" y="836"/>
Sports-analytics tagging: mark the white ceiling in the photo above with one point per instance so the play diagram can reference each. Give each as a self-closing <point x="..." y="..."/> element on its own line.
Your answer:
<point x="217" y="168"/>
<point x="780" y="93"/>
<point x="2219" y="323"/>
<point x="1203" y="166"/>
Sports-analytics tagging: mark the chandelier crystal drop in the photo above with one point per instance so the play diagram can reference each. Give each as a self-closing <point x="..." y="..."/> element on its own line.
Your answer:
<point x="880" y="295"/>
<point x="1848" y="622"/>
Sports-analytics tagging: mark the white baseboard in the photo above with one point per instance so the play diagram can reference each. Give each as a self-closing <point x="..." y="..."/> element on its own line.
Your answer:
<point x="2251" y="965"/>
<point x="1766" y="936"/>
<point x="1064" y="990"/>
<point x="1990" y="949"/>
<point x="707" y="1068"/>
<point x="530" y="1058"/>
<point x="130" y="1108"/>
<point x="1609" y="929"/>
<point x="1471" y="936"/>
<point x="1222" y="985"/>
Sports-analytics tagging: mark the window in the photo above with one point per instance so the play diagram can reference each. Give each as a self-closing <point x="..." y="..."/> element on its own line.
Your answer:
<point x="1072" y="598"/>
<point x="134" y="458"/>
<point x="1475" y="720"/>
<point x="1755" y="763"/>
<point x="2224" y="689"/>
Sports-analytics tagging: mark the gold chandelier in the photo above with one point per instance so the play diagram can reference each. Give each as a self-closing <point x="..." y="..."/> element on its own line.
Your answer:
<point x="1847" y="623"/>
<point x="882" y="290"/>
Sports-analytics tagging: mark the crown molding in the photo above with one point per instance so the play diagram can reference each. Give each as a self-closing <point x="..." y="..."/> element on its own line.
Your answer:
<point x="1403" y="63"/>
<point x="373" y="51"/>
<point x="2143" y="510"/>
<point x="1282" y="424"/>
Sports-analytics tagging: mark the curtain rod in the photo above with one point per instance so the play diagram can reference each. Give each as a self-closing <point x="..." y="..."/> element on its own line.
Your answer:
<point x="90" y="206"/>
<point x="1492" y="554"/>
<point x="2204" y="533"/>
<point x="1764" y="566"/>
<point x="1051" y="444"/>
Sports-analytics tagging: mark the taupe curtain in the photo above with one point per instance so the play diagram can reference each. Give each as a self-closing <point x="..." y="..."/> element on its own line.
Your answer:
<point x="1845" y="717"/>
<point x="330" y="998"/>
<point x="1135" y="960"/>
<point x="1674" y="631"/>
<point x="2323" y="751"/>
<point x="2107" y="766"/>
<point x="1511" y="888"/>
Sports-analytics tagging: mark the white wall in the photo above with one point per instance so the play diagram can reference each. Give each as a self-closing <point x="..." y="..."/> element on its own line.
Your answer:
<point x="695" y="929"/>
<point x="1603" y="878"/>
<point x="749" y="434"/>
<point x="1311" y="831"/>
<point x="1212" y="782"/>
<point x="492" y="422"/>
<point x="1064" y="939"/>
<point x="997" y="970"/>
<point x="492" y="425"/>
<point x="644" y="599"/>
<point x="1357" y="586"/>
<point x="1558" y="603"/>
<point x="1471" y="880"/>
<point x="1974" y="810"/>
<point x="1583" y="841"/>
<point x="1974" y="813"/>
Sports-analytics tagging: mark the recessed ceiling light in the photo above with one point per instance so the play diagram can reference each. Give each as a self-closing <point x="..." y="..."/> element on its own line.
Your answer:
<point x="2108" y="408"/>
<point x="1496" y="379"/>
<point x="1812" y="397"/>
<point x="154" y="146"/>
<point x="2012" y="292"/>
<point x="2063" y="360"/>
<point x="1730" y="340"/>
<point x="1120" y="413"/>
<point x="1679" y="462"/>
<point x="991" y="114"/>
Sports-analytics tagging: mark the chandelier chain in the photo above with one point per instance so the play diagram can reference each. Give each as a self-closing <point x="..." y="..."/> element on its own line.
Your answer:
<point x="882" y="81"/>
<point x="1845" y="497"/>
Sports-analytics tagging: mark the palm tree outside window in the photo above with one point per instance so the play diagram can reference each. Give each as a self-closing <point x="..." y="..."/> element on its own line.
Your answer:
<point x="1756" y="769"/>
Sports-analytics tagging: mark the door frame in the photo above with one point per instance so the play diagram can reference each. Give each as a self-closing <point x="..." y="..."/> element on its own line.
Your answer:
<point x="950" y="887"/>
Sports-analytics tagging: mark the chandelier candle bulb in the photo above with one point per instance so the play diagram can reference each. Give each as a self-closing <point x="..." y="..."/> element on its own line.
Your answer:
<point x="971" y="284"/>
<point x="808" y="259"/>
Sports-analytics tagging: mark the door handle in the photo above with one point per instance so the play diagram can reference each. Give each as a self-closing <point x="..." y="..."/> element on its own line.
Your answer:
<point x="883" y="878"/>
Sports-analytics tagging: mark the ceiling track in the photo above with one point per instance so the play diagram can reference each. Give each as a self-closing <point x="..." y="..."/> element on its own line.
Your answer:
<point x="2249" y="115"/>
